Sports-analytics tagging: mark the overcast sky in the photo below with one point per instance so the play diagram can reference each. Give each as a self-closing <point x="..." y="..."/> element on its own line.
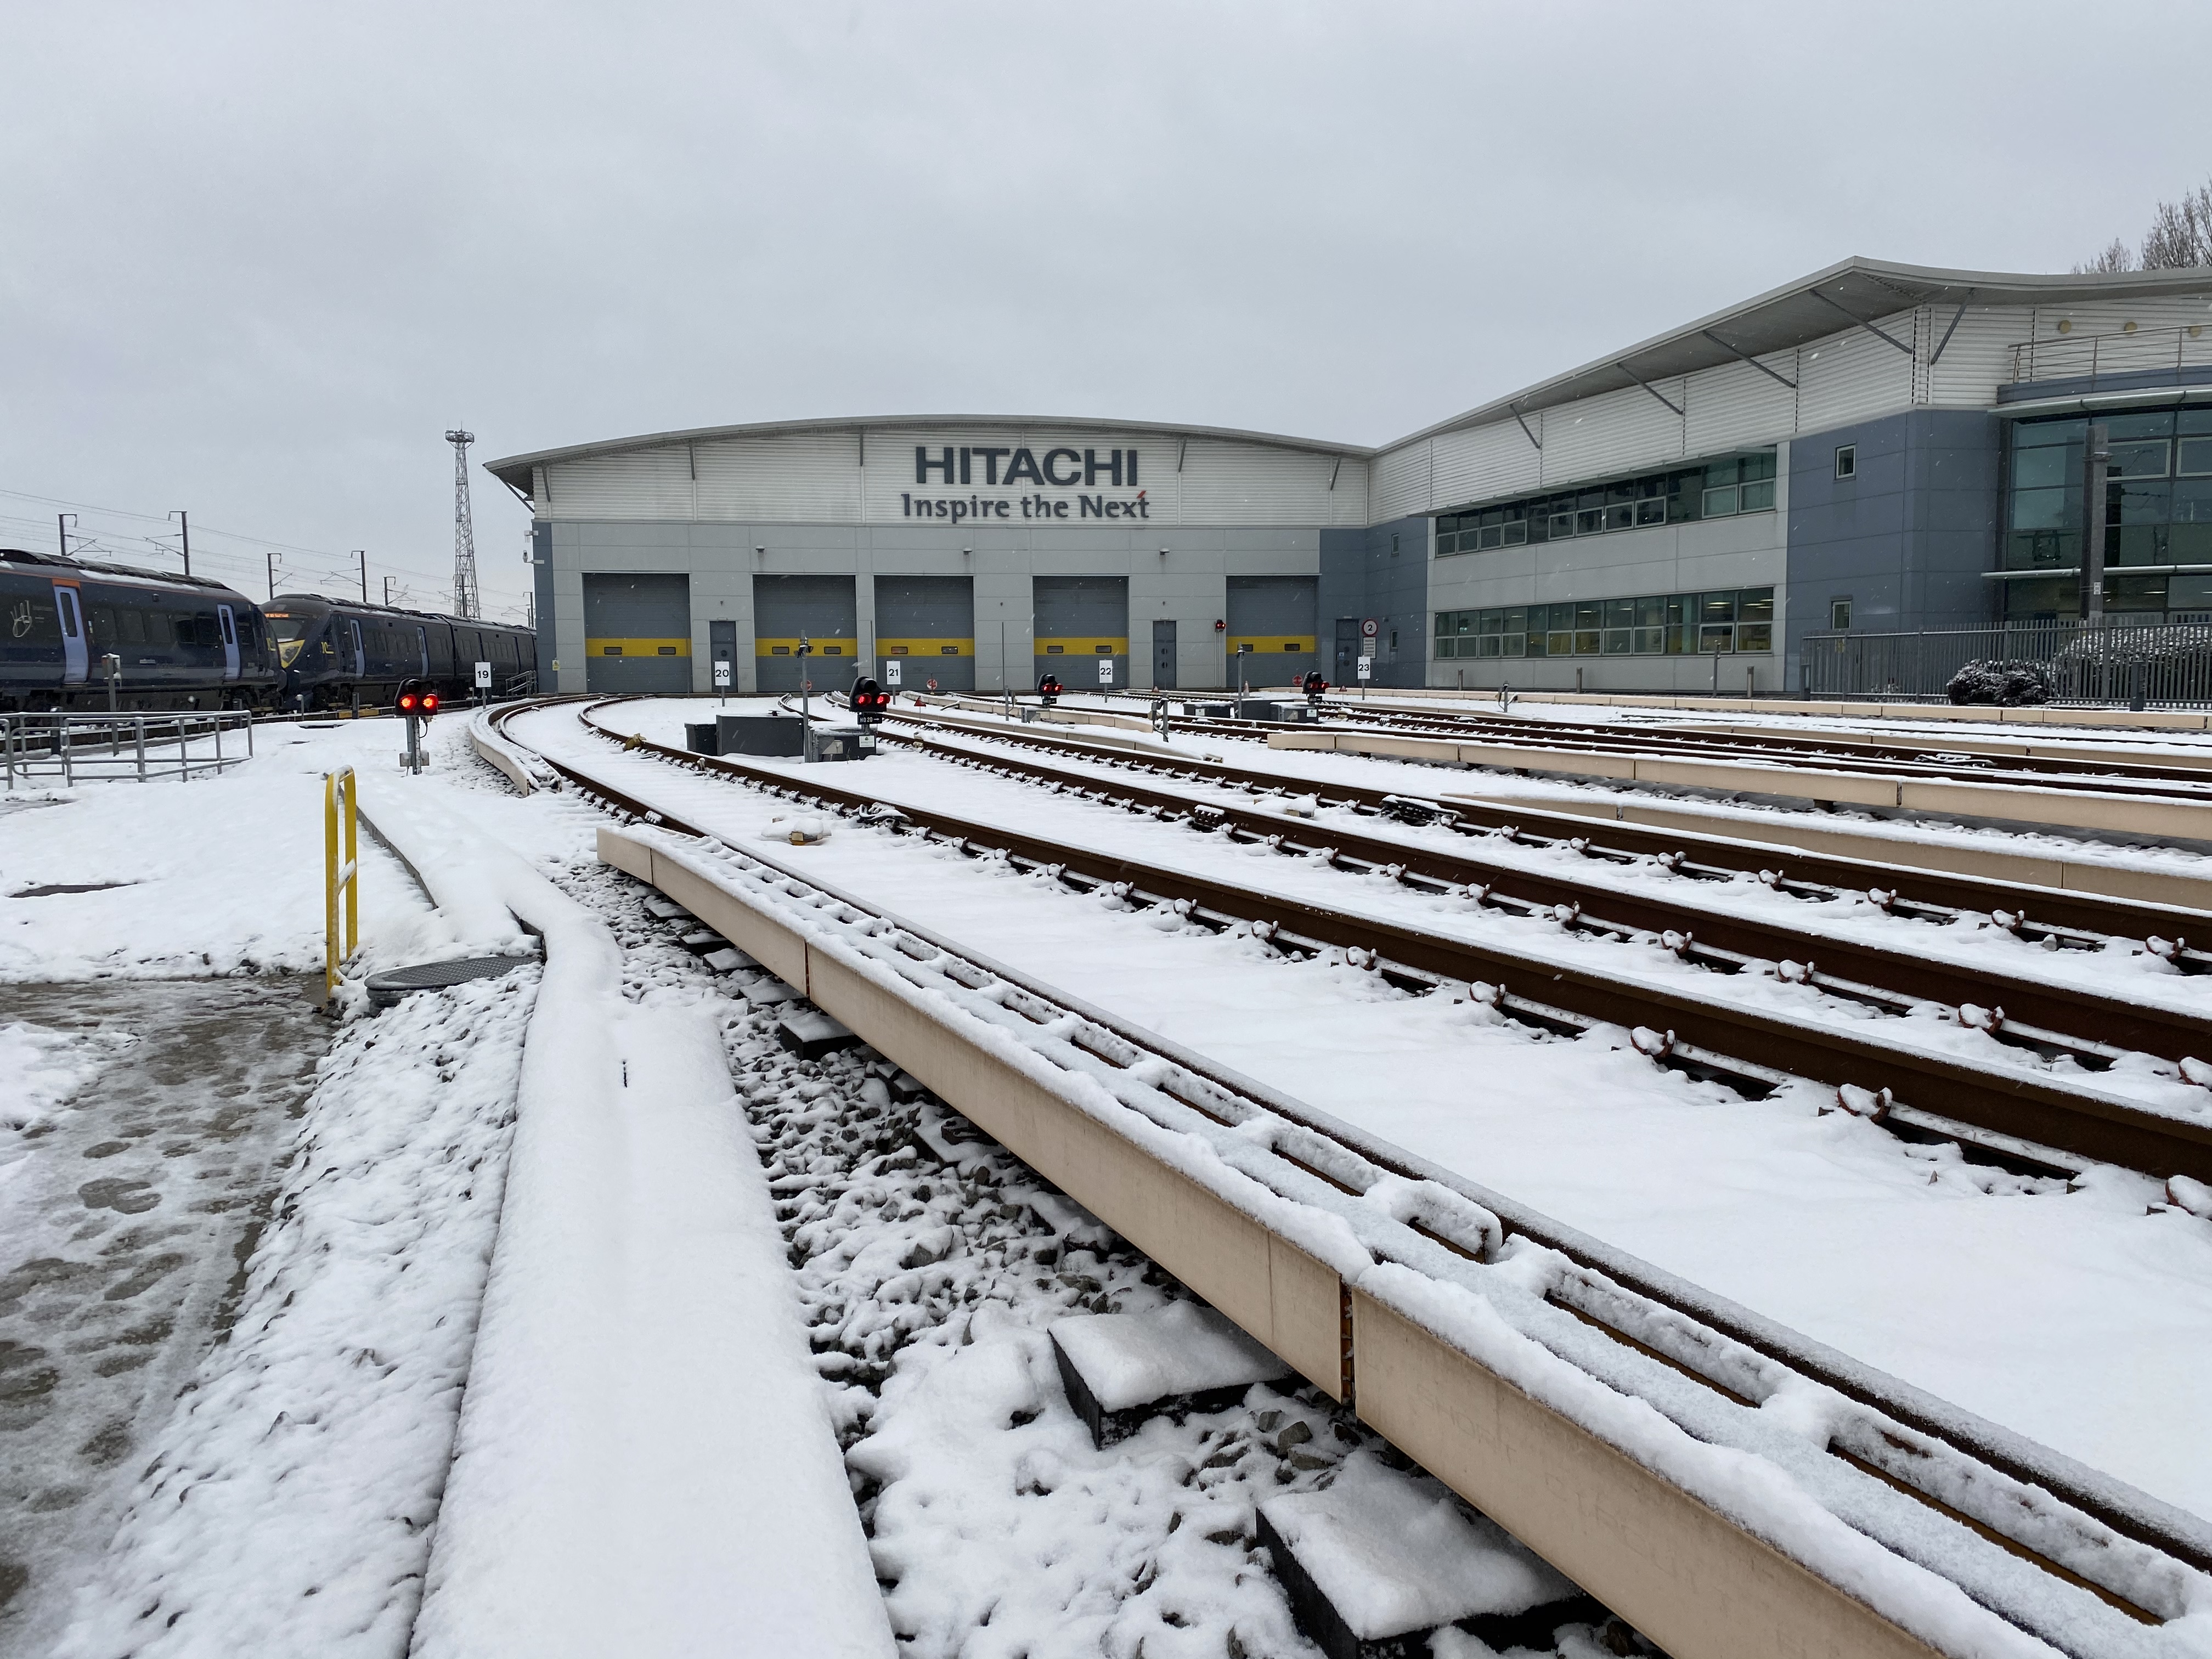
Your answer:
<point x="259" y="257"/>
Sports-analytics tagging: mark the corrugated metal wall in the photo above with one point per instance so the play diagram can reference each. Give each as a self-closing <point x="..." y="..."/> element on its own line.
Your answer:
<point x="819" y="608"/>
<point x="637" y="632"/>
<point x="1273" y="614"/>
<point x="811" y="476"/>
<point x="1080" y="623"/>
<point x="925" y="631"/>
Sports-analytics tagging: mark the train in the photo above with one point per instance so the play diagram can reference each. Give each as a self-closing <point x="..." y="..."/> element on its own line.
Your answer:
<point x="76" y="634"/>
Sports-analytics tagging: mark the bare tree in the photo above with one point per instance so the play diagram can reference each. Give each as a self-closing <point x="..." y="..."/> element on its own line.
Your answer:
<point x="2180" y="232"/>
<point x="2118" y="257"/>
<point x="2180" y="236"/>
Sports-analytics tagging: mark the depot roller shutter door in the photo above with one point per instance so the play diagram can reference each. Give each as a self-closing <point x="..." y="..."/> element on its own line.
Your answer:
<point x="820" y="610"/>
<point x="925" y="631"/>
<point x="637" y="632"/>
<point x="1275" y="616"/>
<point x="1082" y="621"/>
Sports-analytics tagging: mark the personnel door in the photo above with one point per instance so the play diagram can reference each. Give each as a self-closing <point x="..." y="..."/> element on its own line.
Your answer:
<point x="1347" y="647"/>
<point x="75" y="657"/>
<point x="229" y="627"/>
<point x="1164" y="656"/>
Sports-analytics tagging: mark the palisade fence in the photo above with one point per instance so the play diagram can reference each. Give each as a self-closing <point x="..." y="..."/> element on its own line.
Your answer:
<point x="2165" y="664"/>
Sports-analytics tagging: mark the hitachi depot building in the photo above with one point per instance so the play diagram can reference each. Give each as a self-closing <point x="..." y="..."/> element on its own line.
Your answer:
<point x="1875" y="448"/>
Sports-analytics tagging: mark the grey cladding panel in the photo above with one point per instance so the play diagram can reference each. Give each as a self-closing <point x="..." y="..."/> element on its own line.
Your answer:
<point x="1082" y="607"/>
<point x="924" y="607"/>
<point x="821" y="607"/>
<point x="623" y="607"/>
<point x="1271" y="605"/>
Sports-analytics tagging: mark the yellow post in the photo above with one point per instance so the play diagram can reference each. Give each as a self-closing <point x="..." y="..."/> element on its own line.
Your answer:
<point x="339" y="785"/>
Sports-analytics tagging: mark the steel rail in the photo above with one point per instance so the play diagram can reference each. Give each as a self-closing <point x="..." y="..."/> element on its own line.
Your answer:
<point x="1704" y="1035"/>
<point x="2129" y="1513"/>
<point x="2072" y="920"/>
<point x="1909" y="760"/>
<point x="2095" y="1027"/>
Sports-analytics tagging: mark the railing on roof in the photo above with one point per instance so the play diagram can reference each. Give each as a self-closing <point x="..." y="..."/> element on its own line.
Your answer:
<point x="2131" y="352"/>
<point x="2163" y="664"/>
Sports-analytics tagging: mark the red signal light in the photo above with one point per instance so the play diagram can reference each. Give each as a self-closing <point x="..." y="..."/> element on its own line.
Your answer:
<point x="406" y="702"/>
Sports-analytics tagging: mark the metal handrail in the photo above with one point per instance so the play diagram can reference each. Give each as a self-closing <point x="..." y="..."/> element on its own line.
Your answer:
<point x="2077" y="356"/>
<point x="106" y="744"/>
<point x="341" y="790"/>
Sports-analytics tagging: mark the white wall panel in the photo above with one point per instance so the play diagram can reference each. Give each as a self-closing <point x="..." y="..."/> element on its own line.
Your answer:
<point x="1402" y="482"/>
<point x="1613" y="432"/>
<point x="1482" y="463"/>
<point x="1979" y="360"/>
<point x="1227" y="483"/>
<point x="1853" y="376"/>
<point x="798" y="476"/>
<point x="637" y="483"/>
<point x="1348" y="500"/>
<point x="1736" y="406"/>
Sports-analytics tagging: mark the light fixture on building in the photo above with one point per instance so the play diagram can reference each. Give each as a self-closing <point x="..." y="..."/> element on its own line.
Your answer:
<point x="1164" y="552"/>
<point x="2128" y="327"/>
<point x="2065" y="325"/>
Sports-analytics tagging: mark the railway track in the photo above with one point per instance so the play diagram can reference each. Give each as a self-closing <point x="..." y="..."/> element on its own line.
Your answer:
<point x="2039" y="1120"/>
<point x="1961" y="762"/>
<point x="2056" y="1550"/>
<point x="2063" y="919"/>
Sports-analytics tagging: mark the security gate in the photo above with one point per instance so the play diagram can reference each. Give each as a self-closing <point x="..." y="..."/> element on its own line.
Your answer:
<point x="637" y="633"/>
<point x="925" y="631"/>
<point x="1082" y="630"/>
<point x="818" y="610"/>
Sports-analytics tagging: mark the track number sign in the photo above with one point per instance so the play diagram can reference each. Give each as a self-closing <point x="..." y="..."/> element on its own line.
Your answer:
<point x="1105" y="670"/>
<point x="722" y="674"/>
<point x="483" y="677"/>
<point x="891" y="667"/>
<point x="1367" y="668"/>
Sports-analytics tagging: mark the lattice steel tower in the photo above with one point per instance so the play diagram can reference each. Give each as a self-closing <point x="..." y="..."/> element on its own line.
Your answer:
<point x="464" y="534"/>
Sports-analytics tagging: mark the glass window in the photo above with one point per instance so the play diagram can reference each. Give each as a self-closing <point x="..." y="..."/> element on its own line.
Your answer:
<point x="2029" y="434"/>
<point x="2144" y="458"/>
<point x="1847" y="460"/>
<point x="1652" y="512"/>
<point x="1755" y="605"/>
<point x="1716" y="607"/>
<point x="1493" y="622"/>
<point x="2195" y="460"/>
<point x="1759" y="496"/>
<point x="1716" y="637"/>
<point x="2158" y="423"/>
<point x="1619" y="515"/>
<point x="1718" y="503"/>
<point x="1619" y="641"/>
<point x="1751" y="637"/>
<point x="1561" y="525"/>
<point x="1620" y="613"/>
<point x="1590" y="520"/>
<point x="2052" y="466"/>
<point x="2046" y="509"/>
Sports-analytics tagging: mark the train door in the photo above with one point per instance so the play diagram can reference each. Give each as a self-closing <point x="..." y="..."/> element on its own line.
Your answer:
<point x="422" y="648"/>
<point x="69" y="610"/>
<point x="360" y="651"/>
<point x="229" y="643"/>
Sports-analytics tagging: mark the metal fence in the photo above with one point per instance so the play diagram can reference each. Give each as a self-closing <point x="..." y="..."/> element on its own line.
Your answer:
<point x="101" y="745"/>
<point x="2168" y="664"/>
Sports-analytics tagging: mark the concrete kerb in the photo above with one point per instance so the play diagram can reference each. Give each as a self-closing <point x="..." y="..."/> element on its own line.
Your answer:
<point x="2166" y="817"/>
<point x="2166" y="720"/>
<point x="1663" y="1559"/>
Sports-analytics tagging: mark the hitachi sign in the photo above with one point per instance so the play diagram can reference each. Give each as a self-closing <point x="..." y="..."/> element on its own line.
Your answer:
<point x="1063" y="468"/>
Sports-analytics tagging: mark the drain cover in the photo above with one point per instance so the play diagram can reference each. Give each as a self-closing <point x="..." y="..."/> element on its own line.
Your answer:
<point x="386" y="989"/>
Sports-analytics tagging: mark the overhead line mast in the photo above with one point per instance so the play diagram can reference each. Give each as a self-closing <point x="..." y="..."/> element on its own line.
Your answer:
<point x="465" y="534"/>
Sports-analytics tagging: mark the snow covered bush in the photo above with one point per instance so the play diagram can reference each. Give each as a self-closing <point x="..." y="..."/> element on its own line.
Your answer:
<point x="2008" y="682"/>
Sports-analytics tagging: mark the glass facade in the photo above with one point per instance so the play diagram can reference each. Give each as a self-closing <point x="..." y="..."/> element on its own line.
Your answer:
<point x="2158" y="510"/>
<point x="1731" y="619"/>
<point x="1741" y="484"/>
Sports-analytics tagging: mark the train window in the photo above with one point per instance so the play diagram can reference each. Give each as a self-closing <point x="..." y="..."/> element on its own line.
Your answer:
<point x="103" y="624"/>
<point x="131" y="626"/>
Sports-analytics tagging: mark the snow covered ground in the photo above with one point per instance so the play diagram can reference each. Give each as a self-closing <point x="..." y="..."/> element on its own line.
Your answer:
<point x="2075" y="1318"/>
<point x="287" y="1503"/>
<point x="142" y="1128"/>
